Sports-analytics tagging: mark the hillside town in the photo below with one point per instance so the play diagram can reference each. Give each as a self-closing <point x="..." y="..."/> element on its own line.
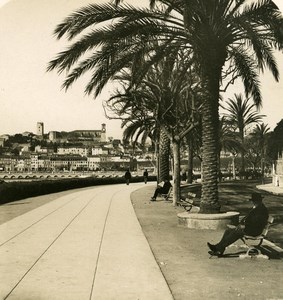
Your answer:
<point x="78" y="150"/>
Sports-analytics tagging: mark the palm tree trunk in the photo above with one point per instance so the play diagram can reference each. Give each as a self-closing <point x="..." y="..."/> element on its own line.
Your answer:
<point x="219" y="166"/>
<point x="243" y="163"/>
<point x="242" y="153"/>
<point x="210" y="144"/>
<point x="164" y="152"/>
<point x="233" y="167"/>
<point x="262" y="164"/>
<point x="156" y="151"/>
<point x="190" y="161"/>
<point x="176" y="170"/>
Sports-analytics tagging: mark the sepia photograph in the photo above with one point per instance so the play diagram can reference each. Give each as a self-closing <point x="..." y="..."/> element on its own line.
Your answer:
<point x="141" y="149"/>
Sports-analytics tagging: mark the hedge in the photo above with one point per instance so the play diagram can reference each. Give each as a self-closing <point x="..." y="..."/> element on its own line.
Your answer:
<point x="12" y="191"/>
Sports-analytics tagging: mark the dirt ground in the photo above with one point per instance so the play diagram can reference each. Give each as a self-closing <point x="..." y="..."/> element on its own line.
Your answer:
<point x="182" y="253"/>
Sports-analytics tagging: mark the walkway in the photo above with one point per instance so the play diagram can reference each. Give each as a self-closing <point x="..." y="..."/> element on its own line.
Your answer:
<point x="86" y="245"/>
<point x="270" y="188"/>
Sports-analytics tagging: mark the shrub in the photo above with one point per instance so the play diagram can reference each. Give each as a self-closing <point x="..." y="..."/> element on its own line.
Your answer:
<point x="12" y="191"/>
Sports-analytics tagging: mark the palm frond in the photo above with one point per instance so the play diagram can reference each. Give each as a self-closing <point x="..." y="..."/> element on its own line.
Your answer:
<point x="247" y="69"/>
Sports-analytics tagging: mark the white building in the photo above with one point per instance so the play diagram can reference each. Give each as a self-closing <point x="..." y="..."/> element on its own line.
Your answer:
<point x="2" y="142"/>
<point x="68" y="162"/>
<point x="99" y="150"/>
<point x="34" y="163"/>
<point x="52" y="136"/>
<point x="93" y="163"/>
<point x="73" y="150"/>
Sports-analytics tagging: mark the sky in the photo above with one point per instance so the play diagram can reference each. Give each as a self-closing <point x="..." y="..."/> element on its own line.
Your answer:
<point x="29" y="94"/>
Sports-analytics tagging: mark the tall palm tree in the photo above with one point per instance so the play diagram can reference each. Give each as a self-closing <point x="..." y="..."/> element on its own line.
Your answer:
<point x="193" y="143"/>
<point x="216" y="31"/>
<point x="165" y="94"/>
<point x="261" y="134"/>
<point x="132" y="107"/>
<point x="223" y="32"/>
<point x="241" y="115"/>
<point x="228" y="140"/>
<point x="140" y="126"/>
<point x="138" y="131"/>
<point x="143" y="105"/>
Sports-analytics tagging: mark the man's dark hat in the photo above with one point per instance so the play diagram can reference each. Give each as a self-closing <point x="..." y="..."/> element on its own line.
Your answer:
<point x="256" y="197"/>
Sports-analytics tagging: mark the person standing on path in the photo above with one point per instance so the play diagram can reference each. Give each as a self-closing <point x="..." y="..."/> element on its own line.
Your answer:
<point x="128" y="177"/>
<point x="145" y="176"/>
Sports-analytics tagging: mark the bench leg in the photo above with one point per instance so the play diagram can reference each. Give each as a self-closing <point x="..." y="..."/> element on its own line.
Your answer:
<point x="253" y="252"/>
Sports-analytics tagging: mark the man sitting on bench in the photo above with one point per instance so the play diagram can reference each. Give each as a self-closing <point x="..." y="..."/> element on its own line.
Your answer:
<point x="253" y="225"/>
<point x="161" y="189"/>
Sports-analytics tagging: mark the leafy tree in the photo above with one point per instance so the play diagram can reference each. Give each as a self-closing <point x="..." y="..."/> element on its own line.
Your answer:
<point x="18" y="138"/>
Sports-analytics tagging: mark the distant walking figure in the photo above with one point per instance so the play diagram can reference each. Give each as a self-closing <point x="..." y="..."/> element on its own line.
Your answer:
<point x="145" y="176"/>
<point x="128" y="177"/>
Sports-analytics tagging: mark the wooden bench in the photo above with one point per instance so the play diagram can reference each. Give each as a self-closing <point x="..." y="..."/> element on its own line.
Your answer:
<point x="191" y="195"/>
<point x="188" y="203"/>
<point x="167" y="195"/>
<point x="253" y="242"/>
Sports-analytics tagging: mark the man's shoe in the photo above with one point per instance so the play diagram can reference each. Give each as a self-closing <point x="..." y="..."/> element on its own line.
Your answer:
<point x="213" y="248"/>
<point x="215" y="253"/>
<point x="152" y="199"/>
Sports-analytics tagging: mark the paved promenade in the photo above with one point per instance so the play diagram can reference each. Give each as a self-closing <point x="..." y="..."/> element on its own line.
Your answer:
<point x="85" y="245"/>
<point x="270" y="188"/>
<point x="88" y="244"/>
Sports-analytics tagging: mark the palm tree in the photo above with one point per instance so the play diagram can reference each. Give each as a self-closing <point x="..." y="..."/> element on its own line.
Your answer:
<point x="193" y="143"/>
<point x="138" y="120"/>
<point x="216" y="32"/>
<point x="165" y="94"/>
<point x="223" y="32"/>
<point x="144" y="109"/>
<point x="138" y="131"/>
<point x="140" y="127"/>
<point x="228" y="139"/>
<point x="261" y="134"/>
<point x="241" y="115"/>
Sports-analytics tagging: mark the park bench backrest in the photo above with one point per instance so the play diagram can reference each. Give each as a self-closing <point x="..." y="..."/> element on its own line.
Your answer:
<point x="266" y="228"/>
<point x="191" y="195"/>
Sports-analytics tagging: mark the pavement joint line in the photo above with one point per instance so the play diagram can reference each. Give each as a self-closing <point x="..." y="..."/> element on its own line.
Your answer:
<point x="100" y="244"/>
<point x="36" y="222"/>
<point x="37" y="260"/>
